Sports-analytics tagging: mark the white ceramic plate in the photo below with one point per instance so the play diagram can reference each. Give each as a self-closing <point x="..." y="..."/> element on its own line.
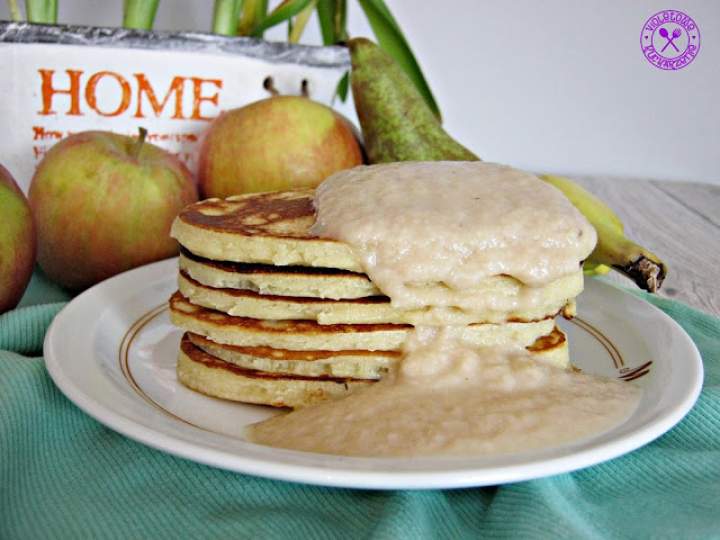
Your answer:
<point x="112" y="351"/>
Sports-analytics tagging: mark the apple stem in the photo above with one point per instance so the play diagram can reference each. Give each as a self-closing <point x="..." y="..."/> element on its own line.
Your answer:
<point x="142" y="134"/>
<point x="269" y="85"/>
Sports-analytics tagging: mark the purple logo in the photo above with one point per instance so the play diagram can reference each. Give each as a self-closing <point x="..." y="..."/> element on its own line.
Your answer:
<point x="670" y="39"/>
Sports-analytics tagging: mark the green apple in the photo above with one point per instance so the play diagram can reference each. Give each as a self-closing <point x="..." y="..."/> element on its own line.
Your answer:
<point x="279" y="143"/>
<point x="17" y="242"/>
<point x="104" y="203"/>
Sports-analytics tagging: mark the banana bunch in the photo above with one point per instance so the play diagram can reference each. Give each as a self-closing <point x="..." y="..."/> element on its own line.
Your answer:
<point x="397" y="125"/>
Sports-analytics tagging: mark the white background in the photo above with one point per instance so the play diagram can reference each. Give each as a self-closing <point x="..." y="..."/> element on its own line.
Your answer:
<point x="558" y="85"/>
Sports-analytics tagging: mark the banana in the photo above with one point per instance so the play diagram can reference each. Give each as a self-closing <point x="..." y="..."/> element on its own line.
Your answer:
<point x="614" y="249"/>
<point x="591" y="268"/>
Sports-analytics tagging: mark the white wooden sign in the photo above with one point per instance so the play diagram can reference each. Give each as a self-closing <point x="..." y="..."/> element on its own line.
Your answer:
<point x="59" y="80"/>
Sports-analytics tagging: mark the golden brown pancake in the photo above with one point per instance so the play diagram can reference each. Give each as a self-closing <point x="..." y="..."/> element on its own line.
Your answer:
<point x="308" y="335"/>
<point x="368" y="310"/>
<point x="269" y="228"/>
<point x="355" y="364"/>
<point x="199" y="370"/>
<point x="277" y="280"/>
<point x="332" y="283"/>
<point x="209" y="375"/>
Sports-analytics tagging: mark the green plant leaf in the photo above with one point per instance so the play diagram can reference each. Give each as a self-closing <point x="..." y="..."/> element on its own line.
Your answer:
<point x="15" y="14"/>
<point x="140" y="14"/>
<point x="391" y="39"/>
<point x="340" y="20"/>
<point x="332" y="16"/>
<point x="41" y="11"/>
<point x="253" y="12"/>
<point x="225" y="17"/>
<point x="284" y="11"/>
<point x="332" y="19"/>
<point x="343" y="86"/>
<point x="326" y="16"/>
<point x="385" y="11"/>
<point x="297" y="27"/>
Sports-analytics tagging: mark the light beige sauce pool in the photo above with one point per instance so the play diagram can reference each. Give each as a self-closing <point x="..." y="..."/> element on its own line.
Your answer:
<point x="448" y="399"/>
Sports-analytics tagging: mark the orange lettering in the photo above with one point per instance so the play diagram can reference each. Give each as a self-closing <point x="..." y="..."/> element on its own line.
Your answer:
<point x="198" y="98"/>
<point x="176" y="87"/>
<point x="91" y="97"/>
<point x="48" y="91"/>
<point x="39" y="152"/>
<point x="41" y="134"/>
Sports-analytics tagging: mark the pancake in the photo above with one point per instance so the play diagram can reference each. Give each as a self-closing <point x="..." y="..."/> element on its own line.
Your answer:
<point x="277" y="280"/>
<point x="268" y="228"/>
<point x="335" y="364"/>
<point x="331" y="283"/>
<point x="206" y="373"/>
<point x="339" y="364"/>
<point x="307" y="335"/>
<point x="368" y="310"/>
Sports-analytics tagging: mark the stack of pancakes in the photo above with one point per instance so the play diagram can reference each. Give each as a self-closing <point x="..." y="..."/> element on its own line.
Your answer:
<point x="273" y="315"/>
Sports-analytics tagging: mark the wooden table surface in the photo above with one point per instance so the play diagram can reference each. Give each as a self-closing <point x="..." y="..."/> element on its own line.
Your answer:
<point x="678" y="221"/>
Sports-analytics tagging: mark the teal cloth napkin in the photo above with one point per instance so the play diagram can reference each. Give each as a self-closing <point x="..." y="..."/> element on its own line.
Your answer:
<point x="64" y="475"/>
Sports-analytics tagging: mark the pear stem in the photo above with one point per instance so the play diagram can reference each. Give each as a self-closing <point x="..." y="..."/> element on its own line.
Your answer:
<point x="137" y="147"/>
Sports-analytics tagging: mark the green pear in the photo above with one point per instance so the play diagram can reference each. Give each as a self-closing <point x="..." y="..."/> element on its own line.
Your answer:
<point x="397" y="124"/>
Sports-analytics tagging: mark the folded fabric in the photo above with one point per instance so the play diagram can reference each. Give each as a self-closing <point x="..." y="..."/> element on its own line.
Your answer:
<point x="64" y="475"/>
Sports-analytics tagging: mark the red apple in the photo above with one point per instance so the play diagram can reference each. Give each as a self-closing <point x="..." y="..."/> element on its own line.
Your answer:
<point x="104" y="203"/>
<point x="17" y="242"/>
<point x="282" y="142"/>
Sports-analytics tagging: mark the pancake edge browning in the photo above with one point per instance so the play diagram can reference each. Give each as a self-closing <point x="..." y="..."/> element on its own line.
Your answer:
<point x="205" y="373"/>
<point x="288" y="334"/>
<point x="268" y="228"/>
<point x="301" y="281"/>
<point x="368" y="310"/>
<point x="208" y="375"/>
<point x="326" y="283"/>
<point x="356" y="364"/>
<point x="308" y="335"/>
